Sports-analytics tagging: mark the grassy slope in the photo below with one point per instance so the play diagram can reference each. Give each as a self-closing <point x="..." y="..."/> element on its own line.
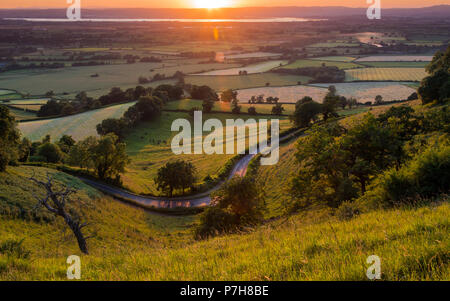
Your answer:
<point x="147" y="156"/>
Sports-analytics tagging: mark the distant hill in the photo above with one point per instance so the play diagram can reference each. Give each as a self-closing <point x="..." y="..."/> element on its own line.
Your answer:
<point x="441" y="11"/>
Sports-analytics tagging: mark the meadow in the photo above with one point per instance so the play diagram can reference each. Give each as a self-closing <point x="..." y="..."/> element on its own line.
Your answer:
<point x="289" y="94"/>
<point x="395" y="58"/>
<point x="335" y="58"/>
<point x="385" y="74"/>
<point x="79" y="126"/>
<point x="366" y="91"/>
<point x="251" y="55"/>
<point x="250" y="69"/>
<point x="221" y="83"/>
<point x="149" y="148"/>
<point x="319" y="63"/>
<point x="396" y="64"/>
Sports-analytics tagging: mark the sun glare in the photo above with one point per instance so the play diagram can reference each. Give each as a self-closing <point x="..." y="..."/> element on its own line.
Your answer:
<point x="211" y="3"/>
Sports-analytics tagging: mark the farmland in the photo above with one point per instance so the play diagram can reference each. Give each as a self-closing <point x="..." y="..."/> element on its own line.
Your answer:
<point x="220" y="83"/>
<point x="251" y="55"/>
<point x="79" y="126"/>
<point x="250" y="69"/>
<point x="286" y="94"/>
<point x="319" y="63"/>
<point x="75" y="79"/>
<point x="335" y="58"/>
<point x="366" y="91"/>
<point x="395" y="58"/>
<point x="395" y="64"/>
<point x="385" y="74"/>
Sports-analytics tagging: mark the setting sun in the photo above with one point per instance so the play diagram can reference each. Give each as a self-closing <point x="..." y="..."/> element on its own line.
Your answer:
<point x="212" y="3"/>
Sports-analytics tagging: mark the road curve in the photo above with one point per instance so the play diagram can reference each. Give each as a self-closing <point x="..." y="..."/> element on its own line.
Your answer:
<point x="198" y="200"/>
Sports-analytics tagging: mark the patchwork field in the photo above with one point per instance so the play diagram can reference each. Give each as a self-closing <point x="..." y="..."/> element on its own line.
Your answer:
<point x="396" y="64"/>
<point x="22" y="115"/>
<point x="289" y="94"/>
<point x="219" y="106"/>
<point x="251" y="55"/>
<point x="366" y="91"/>
<point x="75" y="79"/>
<point x="319" y="63"/>
<point x="395" y="58"/>
<point x="78" y="126"/>
<point x="250" y="69"/>
<point x="6" y="92"/>
<point x="335" y="58"/>
<point x="220" y="83"/>
<point x="384" y="74"/>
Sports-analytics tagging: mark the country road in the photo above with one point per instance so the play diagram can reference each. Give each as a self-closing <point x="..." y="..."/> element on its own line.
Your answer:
<point x="198" y="200"/>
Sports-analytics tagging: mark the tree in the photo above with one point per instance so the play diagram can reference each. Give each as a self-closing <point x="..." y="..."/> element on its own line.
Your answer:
<point x="173" y="92"/>
<point x="329" y="106"/>
<point x="242" y="197"/>
<point x="343" y="102"/>
<point x="9" y="138"/>
<point x="65" y="143"/>
<point x="322" y="175"/>
<point x="235" y="108"/>
<point x="80" y="154"/>
<point x="207" y="105"/>
<point x="109" y="157"/>
<point x="306" y="112"/>
<point x="228" y="96"/>
<point x="50" y="152"/>
<point x="149" y="108"/>
<point x="203" y="92"/>
<point x="436" y="86"/>
<point x="277" y="109"/>
<point x="175" y="175"/>
<point x="252" y="110"/>
<point x="378" y="99"/>
<point x="24" y="149"/>
<point x="352" y="102"/>
<point x="112" y="125"/>
<point x="55" y="201"/>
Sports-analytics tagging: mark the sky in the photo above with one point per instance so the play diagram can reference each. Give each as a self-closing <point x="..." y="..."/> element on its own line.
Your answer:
<point x="213" y="3"/>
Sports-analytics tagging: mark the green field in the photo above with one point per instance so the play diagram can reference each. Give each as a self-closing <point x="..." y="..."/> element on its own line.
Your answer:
<point x="21" y="114"/>
<point x="335" y="58"/>
<point x="130" y="244"/>
<point x="220" y="83"/>
<point x="333" y="45"/>
<point x="367" y="91"/>
<point x="79" y="126"/>
<point x="395" y="58"/>
<point x="149" y="147"/>
<point x="250" y="69"/>
<point x="290" y="94"/>
<point x="76" y="79"/>
<point x="219" y="106"/>
<point x="395" y="64"/>
<point x="319" y="63"/>
<point x="385" y="74"/>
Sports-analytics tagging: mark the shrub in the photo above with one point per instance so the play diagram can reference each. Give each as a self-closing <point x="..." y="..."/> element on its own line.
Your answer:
<point x="347" y="210"/>
<point x="14" y="248"/>
<point x="215" y="221"/>
<point x="425" y="176"/>
<point x="51" y="152"/>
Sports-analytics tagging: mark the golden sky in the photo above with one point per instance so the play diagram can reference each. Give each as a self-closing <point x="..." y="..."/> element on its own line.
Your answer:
<point x="214" y="3"/>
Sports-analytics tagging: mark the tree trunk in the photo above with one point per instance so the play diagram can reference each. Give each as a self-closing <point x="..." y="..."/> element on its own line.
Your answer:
<point x="76" y="229"/>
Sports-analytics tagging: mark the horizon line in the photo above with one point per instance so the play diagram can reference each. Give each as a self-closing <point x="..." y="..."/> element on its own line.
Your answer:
<point x="227" y="7"/>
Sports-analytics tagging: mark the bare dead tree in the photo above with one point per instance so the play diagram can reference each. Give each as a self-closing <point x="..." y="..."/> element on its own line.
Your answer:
<point x="55" y="202"/>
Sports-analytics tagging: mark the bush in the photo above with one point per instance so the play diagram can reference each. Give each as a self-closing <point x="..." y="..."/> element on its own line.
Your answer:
<point x="14" y="248"/>
<point x="425" y="176"/>
<point x="347" y="210"/>
<point x="215" y="221"/>
<point x="50" y="152"/>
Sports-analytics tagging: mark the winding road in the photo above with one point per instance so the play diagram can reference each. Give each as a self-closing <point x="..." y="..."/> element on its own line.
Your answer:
<point x="198" y="200"/>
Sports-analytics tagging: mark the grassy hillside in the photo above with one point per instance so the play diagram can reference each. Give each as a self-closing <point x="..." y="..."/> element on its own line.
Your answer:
<point x="130" y="244"/>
